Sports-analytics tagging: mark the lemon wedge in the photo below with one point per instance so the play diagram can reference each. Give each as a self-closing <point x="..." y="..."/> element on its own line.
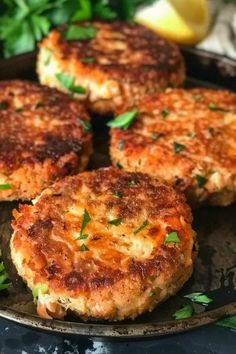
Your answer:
<point x="181" y="21"/>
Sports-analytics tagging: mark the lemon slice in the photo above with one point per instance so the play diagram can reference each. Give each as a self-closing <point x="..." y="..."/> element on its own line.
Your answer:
<point x="184" y="22"/>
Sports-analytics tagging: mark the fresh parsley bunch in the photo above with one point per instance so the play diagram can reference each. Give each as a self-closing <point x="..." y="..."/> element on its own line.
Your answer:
<point x="24" y="22"/>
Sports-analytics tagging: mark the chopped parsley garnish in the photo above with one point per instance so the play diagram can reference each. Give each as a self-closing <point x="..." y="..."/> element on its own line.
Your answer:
<point x="178" y="147"/>
<point x="197" y="97"/>
<point x="213" y="107"/>
<point x="39" y="104"/>
<point x="156" y="136"/>
<point x="88" y="60"/>
<point x="199" y="297"/>
<point x="201" y="180"/>
<point x="118" y="195"/>
<point x="83" y="237"/>
<point x="68" y="81"/>
<point x="81" y="33"/>
<point x="165" y="112"/>
<point x="19" y="109"/>
<point x="152" y="293"/>
<point x="185" y="312"/>
<point x="229" y="322"/>
<point x="132" y="182"/>
<point x="120" y="145"/>
<point x="211" y="130"/>
<point x="83" y="248"/>
<point x="39" y="289"/>
<point x="3" y="105"/>
<point x="3" y="276"/>
<point x="115" y="222"/>
<point x="85" y="221"/>
<point x="145" y="224"/>
<point x="172" y="237"/>
<point x="5" y="186"/>
<point x="118" y="165"/>
<point x="123" y="121"/>
<point x="85" y="125"/>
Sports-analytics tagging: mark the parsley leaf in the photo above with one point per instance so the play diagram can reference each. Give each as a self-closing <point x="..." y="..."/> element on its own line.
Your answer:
<point x="85" y="125"/>
<point x="115" y="222"/>
<point x="124" y="120"/>
<point x="40" y="288"/>
<point x="145" y="224"/>
<point x="172" y="237"/>
<point x="83" y="248"/>
<point x="5" y="186"/>
<point x="178" y="147"/>
<point x="88" y="60"/>
<point x="199" y="298"/>
<point x="3" y="276"/>
<point x="81" y="33"/>
<point x="118" y="195"/>
<point x="85" y="221"/>
<point x="229" y="322"/>
<point x="3" y="105"/>
<point x="201" y="180"/>
<point x="185" y="312"/>
<point x="165" y="112"/>
<point x="67" y="82"/>
<point x="213" y="107"/>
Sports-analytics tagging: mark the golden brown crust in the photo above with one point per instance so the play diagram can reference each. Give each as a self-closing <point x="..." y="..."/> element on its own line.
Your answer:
<point x="129" y="61"/>
<point x="204" y="123"/>
<point x="41" y="138"/>
<point x="116" y="275"/>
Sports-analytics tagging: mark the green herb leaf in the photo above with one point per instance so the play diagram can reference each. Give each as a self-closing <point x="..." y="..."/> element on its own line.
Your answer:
<point x="178" y="147"/>
<point x="115" y="222"/>
<point x="211" y="130"/>
<point x="118" y="195"/>
<point x="19" y="109"/>
<point x="229" y="322"/>
<point x="5" y="186"/>
<point x="67" y="82"/>
<point x="81" y="33"/>
<point x="85" y="221"/>
<point x="118" y="165"/>
<point x="83" y="248"/>
<point x="213" y="107"/>
<point x="123" y="121"/>
<point x="201" y="180"/>
<point x="88" y="60"/>
<point x="172" y="237"/>
<point x="85" y="125"/>
<point x="145" y="224"/>
<point x="40" y="288"/>
<point x="82" y="237"/>
<point x="3" y="105"/>
<point x="39" y="104"/>
<point x="185" y="312"/>
<point x="197" y="97"/>
<point x="199" y="298"/>
<point x="165" y="112"/>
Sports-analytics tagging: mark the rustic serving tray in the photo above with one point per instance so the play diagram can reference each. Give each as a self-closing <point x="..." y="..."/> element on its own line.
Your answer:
<point x="214" y="274"/>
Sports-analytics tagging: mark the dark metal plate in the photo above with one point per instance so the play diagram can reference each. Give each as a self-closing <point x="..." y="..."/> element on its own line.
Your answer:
<point x="214" y="274"/>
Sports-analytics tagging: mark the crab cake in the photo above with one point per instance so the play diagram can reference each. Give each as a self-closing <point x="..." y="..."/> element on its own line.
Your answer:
<point x="186" y="137"/>
<point x="43" y="137"/>
<point x="108" y="64"/>
<point x="107" y="245"/>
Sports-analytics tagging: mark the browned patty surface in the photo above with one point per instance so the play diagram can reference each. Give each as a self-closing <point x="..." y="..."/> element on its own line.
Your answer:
<point x="42" y="138"/>
<point x="186" y="137"/>
<point x="122" y="62"/>
<point x="120" y="264"/>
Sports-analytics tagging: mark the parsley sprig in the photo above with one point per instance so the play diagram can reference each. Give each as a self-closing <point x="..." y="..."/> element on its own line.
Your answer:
<point x="3" y="275"/>
<point x="24" y="22"/>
